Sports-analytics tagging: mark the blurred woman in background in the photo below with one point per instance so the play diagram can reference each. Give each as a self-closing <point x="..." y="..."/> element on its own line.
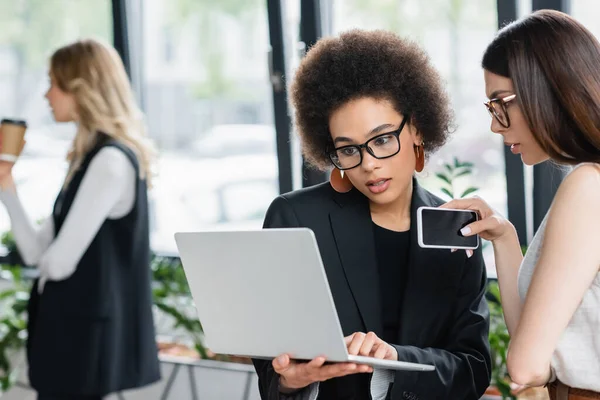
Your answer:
<point x="91" y="328"/>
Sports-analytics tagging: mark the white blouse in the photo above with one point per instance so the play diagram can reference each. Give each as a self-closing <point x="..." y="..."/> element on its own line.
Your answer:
<point x="107" y="191"/>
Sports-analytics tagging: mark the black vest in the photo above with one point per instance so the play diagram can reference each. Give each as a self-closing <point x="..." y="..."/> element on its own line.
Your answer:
<point x="93" y="333"/>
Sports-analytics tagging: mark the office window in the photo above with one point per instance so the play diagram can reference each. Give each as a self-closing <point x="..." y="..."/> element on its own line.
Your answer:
<point x="31" y="31"/>
<point x="209" y="108"/>
<point x="523" y="8"/>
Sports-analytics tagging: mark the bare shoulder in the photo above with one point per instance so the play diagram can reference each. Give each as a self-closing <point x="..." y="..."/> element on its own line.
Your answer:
<point x="581" y="188"/>
<point x="583" y="178"/>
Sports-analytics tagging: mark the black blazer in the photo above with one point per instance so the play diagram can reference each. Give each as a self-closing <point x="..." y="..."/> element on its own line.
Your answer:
<point x="444" y="319"/>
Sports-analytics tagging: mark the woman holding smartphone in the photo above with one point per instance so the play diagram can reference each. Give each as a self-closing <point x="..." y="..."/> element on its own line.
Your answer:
<point x="542" y="81"/>
<point x="91" y="328"/>
<point x="370" y="105"/>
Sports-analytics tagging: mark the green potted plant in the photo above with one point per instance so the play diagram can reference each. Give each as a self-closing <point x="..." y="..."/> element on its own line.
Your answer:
<point x="13" y="324"/>
<point x="12" y="256"/>
<point x="172" y="296"/>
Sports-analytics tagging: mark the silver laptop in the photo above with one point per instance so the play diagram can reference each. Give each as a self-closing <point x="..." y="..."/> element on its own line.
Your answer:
<point x="263" y="293"/>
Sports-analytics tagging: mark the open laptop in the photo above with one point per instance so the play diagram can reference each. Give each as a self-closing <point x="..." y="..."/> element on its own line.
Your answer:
<point x="263" y="293"/>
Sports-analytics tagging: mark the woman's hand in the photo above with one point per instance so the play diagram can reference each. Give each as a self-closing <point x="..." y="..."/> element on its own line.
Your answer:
<point x="6" y="178"/>
<point x="491" y="225"/>
<point x="370" y="345"/>
<point x="297" y="375"/>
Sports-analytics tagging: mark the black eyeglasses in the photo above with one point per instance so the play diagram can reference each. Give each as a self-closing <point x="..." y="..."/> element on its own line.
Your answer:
<point x="497" y="109"/>
<point x="381" y="146"/>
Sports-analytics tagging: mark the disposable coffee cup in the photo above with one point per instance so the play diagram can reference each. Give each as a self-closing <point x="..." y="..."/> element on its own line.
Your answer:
<point x="13" y="138"/>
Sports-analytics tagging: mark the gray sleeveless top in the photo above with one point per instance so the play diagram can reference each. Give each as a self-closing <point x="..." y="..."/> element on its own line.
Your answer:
<point x="576" y="360"/>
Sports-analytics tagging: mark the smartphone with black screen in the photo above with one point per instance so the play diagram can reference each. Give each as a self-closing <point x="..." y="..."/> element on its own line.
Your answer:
<point x="439" y="228"/>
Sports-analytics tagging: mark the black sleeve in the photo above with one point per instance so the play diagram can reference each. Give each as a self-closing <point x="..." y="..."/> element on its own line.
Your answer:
<point x="463" y="367"/>
<point x="279" y="215"/>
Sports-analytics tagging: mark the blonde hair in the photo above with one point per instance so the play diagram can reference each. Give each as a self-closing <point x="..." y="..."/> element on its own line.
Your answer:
<point x="93" y="73"/>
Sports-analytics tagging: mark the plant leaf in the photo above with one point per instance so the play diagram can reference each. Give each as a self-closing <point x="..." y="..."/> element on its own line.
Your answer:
<point x="466" y="171"/>
<point x="444" y="178"/>
<point x="7" y="293"/>
<point x="469" y="191"/>
<point x="448" y="192"/>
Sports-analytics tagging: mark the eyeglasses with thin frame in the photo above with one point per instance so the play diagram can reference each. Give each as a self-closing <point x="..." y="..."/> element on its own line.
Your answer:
<point x="382" y="146"/>
<point x="497" y="109"/>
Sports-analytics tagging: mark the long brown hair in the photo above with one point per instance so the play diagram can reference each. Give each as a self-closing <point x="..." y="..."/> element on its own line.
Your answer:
<point x="93" y="73"/>
<point x="554" y="63"/>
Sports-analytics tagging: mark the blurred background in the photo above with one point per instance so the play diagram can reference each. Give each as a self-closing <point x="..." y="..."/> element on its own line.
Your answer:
<point x="211" y="78"/>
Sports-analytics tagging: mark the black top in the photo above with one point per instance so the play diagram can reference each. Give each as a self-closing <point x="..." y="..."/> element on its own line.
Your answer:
<point x="391" y="249"/>
<point x="444" y="317"/>
<point x="93" y="333"/>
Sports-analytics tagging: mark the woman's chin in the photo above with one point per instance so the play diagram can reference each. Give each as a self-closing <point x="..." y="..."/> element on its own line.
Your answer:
<point x="60" y="119"/>
<point x="384" y="198"/>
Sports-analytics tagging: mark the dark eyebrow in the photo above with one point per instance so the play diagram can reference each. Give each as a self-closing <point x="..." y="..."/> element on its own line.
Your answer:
<point x="496" y="93"/>
<point x="375" y="131"/>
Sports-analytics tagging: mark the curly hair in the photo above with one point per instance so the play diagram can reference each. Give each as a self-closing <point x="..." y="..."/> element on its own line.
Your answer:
<point x="358" y="64"/>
